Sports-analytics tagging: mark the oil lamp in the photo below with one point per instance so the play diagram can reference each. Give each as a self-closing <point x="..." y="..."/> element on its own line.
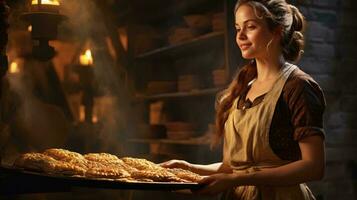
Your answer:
<point x="45" y="6"/>
<point x="87" y="83"/>
<point x="44" y="18"/>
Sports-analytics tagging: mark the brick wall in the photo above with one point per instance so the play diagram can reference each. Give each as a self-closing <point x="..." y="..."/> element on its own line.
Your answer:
<point x="331" y="58"/>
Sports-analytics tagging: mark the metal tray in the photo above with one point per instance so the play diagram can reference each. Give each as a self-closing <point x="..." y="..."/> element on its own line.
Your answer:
<point x="19" y="181"/>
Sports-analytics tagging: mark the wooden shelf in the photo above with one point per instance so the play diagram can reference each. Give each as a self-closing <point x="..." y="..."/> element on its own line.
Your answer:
<point x="192" y="141"/>
<point x="185" y="47"/>
<point x="209" y="91"/>
<point x="198" y="56"/>
<point x="146" y="11"/>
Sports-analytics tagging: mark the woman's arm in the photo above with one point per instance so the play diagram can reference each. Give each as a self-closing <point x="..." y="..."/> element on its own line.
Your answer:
<point x="203" y="170"/>
<point x="309" y="168"/>
<point x="210" y="169"/>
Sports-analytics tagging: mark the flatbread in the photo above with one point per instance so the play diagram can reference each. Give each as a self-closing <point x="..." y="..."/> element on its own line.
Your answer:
<point x="43" y="163"/>
<point x="141" y="164"/>
<point x="63" y="154"/>
<point x="101" y="165"/>
<point x="185" y="174"/>
<point x="107" y="172"/>
<point x="158" y="176"/>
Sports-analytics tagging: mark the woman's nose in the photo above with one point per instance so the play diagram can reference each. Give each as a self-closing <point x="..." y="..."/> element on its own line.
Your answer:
<point x="241" y="35"/>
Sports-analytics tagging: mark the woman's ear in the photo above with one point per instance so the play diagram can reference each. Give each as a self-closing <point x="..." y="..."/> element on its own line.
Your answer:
<point x="278" y="32"/>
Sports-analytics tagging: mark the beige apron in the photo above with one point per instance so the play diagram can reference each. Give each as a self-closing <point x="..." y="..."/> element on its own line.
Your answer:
<point x="247" y="149"/>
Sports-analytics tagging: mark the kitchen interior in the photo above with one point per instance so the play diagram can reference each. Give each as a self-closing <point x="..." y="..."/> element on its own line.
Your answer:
<point x="130" y="78"/>
<point x="116" y="77"/>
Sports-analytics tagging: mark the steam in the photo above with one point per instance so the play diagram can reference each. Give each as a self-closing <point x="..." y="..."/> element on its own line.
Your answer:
<point x="87" y="25"/>
<point x="35" y="124"/>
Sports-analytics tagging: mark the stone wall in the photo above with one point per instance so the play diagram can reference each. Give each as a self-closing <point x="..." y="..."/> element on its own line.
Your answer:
<point x="331" y="58"/>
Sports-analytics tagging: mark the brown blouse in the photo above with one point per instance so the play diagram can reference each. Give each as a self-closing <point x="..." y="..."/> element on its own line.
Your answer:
<point x="298" y="114"/>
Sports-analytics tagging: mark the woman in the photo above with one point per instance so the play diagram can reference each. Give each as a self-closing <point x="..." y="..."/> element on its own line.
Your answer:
<point x="270" y="117"/>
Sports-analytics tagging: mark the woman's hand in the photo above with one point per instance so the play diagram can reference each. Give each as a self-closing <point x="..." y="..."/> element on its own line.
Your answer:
<point x="217" y="183"/>
<point x="203" y="170"/>
<point x="177" y="164"/>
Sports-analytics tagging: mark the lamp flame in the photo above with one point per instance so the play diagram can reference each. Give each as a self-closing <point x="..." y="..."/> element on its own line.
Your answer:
<point x="86" y="58"/>
<point x="14" y="68"/>
<point x="46" y="2"/>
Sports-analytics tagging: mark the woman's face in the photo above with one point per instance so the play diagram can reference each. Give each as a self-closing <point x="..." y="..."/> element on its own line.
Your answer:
<point x="253" y="34"/>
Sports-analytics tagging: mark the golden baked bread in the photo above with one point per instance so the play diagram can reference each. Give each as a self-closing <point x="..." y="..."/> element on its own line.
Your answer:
<point x="107" y="172"/>
<point x="63" y="154"/>
<point x="44" y="163"/>
<point x="108" y="160"/>
<point x="158" y="176"/>
<point x="141" y="164"/>
<point x="32" y="161"/>
<point x="132" y="180"/>
<point x="102" y="165"/>
<point x="149" y="170"/>
<point x="185" y="174"/>
<point x="64" y="168"/>
<point x="102" y="157"/>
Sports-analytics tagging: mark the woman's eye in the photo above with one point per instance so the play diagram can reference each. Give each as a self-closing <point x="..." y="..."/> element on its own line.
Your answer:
<point x="251" y="27"/>
<point x="238" y="29"/>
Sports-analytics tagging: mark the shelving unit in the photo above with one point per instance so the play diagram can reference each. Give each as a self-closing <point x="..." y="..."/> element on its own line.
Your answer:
<point x="198" y="56"/>
<point x="207" y="40"/>
<point x="156" y="11"/>
<point x="202" y="92"/>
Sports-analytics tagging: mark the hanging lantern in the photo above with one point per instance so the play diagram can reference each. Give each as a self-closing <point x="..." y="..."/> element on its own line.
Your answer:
<point x="44" y="18"/>
<point x="45" y="6"/>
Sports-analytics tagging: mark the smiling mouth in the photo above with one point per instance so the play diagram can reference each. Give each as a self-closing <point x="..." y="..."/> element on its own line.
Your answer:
<point x="244" y="46"/>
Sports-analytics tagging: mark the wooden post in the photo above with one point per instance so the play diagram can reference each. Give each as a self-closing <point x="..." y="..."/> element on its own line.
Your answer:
<point x="4" y="11"/>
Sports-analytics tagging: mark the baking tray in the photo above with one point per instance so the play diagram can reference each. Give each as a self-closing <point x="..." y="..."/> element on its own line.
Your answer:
<point x="19" y="181"/>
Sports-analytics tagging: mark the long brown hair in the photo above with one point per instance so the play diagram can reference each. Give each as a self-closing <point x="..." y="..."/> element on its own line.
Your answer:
<point x="277" y="13"/>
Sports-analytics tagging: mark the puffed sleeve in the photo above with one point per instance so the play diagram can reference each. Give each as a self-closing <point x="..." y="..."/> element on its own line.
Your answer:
<point x="306" y="103"/>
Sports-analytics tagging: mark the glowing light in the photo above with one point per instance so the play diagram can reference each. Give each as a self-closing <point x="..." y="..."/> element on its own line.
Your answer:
<point x="14" y="68"/>
<point x="46" y="2"/>
<point x="94" y="119"/>
<point x="29" y="28"/>
<point x="82" y="114"/>
<point x="86" y="59"/>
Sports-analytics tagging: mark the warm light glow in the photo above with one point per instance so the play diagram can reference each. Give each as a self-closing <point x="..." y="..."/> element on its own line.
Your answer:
<point x="94" y="113"/>
<point x="82" y="114"/>
<point x="94" y="119"/>
<point x="86" y="58"/>
<point x="14" y="68"/>
<point x="46" y="2"/>
<point x="29" y="28"/>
